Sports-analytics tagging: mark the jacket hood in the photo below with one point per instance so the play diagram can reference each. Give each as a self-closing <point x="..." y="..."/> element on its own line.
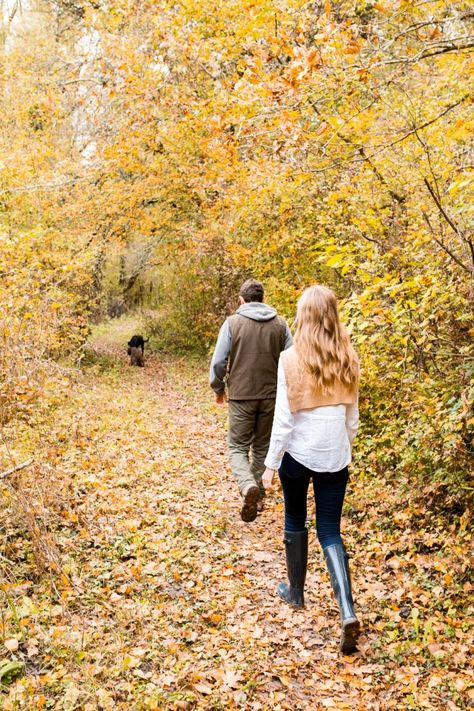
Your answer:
<point x="257" y="311"/>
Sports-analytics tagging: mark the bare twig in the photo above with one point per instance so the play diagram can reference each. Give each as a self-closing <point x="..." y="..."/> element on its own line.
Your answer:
<point x="448" y="219"/>
<point x="443" y="246"/>
<point x="460" y="44"/>
<point x="85" y="79"/>
<point x="16" y="469"/>
<point x="41" y="186"/>
<point x="467" y="240"/>
<point x="413" y="131"/>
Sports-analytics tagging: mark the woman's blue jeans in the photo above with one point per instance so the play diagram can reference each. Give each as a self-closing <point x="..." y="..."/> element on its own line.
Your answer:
<point x="329" y="489"/>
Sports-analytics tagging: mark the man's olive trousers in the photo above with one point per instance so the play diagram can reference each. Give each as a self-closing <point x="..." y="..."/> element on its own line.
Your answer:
<point x="250" y="427"/>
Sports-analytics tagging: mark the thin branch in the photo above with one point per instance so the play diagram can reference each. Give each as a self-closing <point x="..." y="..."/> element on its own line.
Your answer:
<point x="421" y="127"/>
<point x="443" y="246"/>
<point x="382" y="146"/>
<point x="423" y="54"/>
<point x="430" y="163"/>
<point x="16" y="469"/>
<point x="393" y="193"/>
<point x="419" y="25"/>
<point x="41" y="186"/>
<point x="448" y="219"/>
<point x="13" y="12"/>
<point x="360" y="149"/>
<point x="78" y="81"/>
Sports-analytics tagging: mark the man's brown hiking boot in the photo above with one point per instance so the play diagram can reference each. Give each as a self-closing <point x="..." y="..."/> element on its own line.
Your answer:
<point x="251" y="495"/>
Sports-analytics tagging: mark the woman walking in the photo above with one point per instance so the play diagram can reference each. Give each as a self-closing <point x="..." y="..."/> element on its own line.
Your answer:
<point x="315" y="422"/>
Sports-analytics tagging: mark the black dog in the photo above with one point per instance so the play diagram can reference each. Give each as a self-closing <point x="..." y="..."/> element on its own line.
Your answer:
<point x="136" y="347"/>
<point x="137" y="342"/>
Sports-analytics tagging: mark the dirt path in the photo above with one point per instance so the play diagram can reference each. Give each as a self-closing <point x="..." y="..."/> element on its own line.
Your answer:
<point x="172" y="601"/>
<point x="206" y="578"/>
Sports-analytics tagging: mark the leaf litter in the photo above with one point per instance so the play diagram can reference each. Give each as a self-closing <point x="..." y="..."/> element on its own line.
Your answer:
<point x="166" y="599"/>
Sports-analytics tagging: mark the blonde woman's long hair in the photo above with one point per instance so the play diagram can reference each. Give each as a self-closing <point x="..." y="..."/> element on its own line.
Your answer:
<point x="322" y="342"/>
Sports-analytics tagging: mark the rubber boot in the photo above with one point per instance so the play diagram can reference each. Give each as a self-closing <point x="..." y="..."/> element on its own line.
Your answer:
<point x="338" y="566"/>
<point x="296" y="545"/>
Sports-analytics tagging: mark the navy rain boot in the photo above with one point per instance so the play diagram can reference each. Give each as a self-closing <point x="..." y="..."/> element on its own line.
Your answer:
<point x="338" y="566"/>
<point x="296" y="545"/>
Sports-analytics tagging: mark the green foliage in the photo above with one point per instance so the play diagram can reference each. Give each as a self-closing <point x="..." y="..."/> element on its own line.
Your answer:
<point x="193" y="294"/>
<point x="9" y="671"/>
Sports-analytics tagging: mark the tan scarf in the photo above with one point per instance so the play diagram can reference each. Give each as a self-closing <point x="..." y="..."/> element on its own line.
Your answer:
<point x="302" y="394"/>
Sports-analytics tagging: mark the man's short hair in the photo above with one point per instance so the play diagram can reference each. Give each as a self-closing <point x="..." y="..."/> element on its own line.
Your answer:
<point x="251" y="290"/>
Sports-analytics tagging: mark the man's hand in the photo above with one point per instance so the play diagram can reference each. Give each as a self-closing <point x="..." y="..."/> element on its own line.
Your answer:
<point x="267" y="478"/>
<point x="221" y="398"/>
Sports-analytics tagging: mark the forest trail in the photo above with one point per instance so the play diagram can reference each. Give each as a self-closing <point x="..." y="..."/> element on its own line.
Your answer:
<point x="171" y="601"/>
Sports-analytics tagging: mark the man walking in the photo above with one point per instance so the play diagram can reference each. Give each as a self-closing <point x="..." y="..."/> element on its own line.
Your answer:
<point x="246" y="361"/>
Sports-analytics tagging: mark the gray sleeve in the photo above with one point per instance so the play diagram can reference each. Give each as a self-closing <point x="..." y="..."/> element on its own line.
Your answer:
<point x="218" y="369"/>
<point x="288" y="337"/>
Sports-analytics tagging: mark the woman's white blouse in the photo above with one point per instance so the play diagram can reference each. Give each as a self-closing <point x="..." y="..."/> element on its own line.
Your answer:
<point x="320" y="439"/>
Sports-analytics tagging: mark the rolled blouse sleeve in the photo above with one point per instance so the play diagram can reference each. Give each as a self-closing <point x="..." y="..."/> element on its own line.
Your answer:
<point x="282" y="423"/>
<point x="352" y="420"/>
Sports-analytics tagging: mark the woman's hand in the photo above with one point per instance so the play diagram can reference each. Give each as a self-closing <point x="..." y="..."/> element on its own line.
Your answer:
<point x="267" y="478"/>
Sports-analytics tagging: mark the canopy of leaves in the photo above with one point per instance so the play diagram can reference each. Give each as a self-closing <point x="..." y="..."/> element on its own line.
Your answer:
<point x="162" y="152"/>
